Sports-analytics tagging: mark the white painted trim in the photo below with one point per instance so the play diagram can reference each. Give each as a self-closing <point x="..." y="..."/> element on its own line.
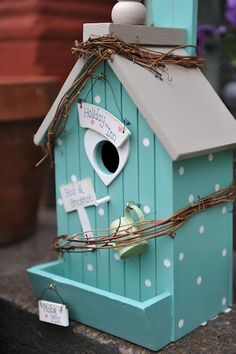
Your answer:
<point x="84" y="221"/>
<point x="41" y="133"/>
<point x="91" y="141"/>
<point x="185" y="113"/>
<point x="103" y="122"/>
<point x="144" y="35"/>
<point x="183" y="110"/>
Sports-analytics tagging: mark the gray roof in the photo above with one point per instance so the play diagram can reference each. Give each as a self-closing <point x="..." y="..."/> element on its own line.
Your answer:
<point x="183" y="110"/>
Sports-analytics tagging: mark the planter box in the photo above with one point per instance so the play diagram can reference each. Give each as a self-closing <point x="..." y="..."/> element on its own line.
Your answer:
<point x="23" y="103"/>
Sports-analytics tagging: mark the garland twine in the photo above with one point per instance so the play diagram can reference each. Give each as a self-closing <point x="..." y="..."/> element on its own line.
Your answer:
<point x="97" y="50"/>
<point x="140" y="231"/>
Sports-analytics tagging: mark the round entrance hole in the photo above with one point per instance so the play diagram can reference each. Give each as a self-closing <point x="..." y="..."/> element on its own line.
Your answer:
<point x="109" y="156"/>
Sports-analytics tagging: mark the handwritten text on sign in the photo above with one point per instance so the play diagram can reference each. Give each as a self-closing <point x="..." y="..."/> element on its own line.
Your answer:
<point x="53" y="312"/>
<point x="103" y="122"/>
<point x="78" y="194"/>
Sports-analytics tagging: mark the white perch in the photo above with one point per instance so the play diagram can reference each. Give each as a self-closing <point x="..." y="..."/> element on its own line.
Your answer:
<point x="102" y="200"/>
<point x="84" y="219"/>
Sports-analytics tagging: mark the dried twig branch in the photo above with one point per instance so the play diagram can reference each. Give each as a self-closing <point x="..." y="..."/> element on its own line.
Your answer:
<point x="97" y="50"/>
<point x="145" y="230"/>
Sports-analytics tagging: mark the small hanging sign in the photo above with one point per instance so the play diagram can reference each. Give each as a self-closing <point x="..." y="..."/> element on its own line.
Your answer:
<point x="103" y="122"/>
<point x="53" y="312"/>
<point x="78" y="195"/>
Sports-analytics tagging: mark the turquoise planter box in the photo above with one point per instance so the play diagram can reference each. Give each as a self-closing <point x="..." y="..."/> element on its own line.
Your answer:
<point x="136" y="321"/>
<point x="178" y="149"/>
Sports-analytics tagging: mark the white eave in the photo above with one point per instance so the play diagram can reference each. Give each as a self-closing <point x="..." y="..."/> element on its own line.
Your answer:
<point x="40" y="136"/>
<point x="183" y="110"/>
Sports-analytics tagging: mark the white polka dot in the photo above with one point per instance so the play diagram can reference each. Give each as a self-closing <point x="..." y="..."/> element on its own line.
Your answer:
<point x="90" y="267"/>
<point x="101" y="211"/>
<point x="191" y="198"/>
<point x="146" y="209"/>
<point x="228" y="310"/>
<point x="181" y="323"/>
<point x="148" y="283"/>
<point x="199" y="280"/>
<point x="217" y="187"/>
<point x="210" y="157"/>
<point x="224" y="301"/>
<point x="224" y="210"/>
<point x="73" y="178"/>
<point x="224" y="252"/>
<point x="146" y="142"/>
<point x="167" y="263"/>
<point x="60" y="201"/>
<point x="204" y="323"/>
<point x="201" y="229"/>
<point x="181" y="257"/>
<point x="117" y="256"/>
<point x="181" y="171"/>
<point x="97" y="99"/>
<point x="59" y="141"/>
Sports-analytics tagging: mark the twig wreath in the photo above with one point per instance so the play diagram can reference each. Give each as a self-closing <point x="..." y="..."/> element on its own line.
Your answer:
<point x="99" y="49"/>
<point x="146" y="230"/>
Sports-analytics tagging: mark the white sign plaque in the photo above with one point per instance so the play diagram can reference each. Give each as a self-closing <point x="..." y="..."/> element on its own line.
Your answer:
<point x="78" y="195"/>
<point x="103" y="122"/>
<point x="53" y="312"/>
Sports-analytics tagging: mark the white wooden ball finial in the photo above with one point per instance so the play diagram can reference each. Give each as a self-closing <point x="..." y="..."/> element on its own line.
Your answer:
<point x="129" y="12"/>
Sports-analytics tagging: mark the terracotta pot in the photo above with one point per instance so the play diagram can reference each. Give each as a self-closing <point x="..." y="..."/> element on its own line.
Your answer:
<point x="36" y="35"/>
<point x="35" y="39"/>
<point x="23" y="104"/>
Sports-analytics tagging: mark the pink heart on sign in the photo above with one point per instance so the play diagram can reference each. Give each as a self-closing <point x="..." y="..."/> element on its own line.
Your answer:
<point x="120" y="129"/>
<point x="92" y="121"/>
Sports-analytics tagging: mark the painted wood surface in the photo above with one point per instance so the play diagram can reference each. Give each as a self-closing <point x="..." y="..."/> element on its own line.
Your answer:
<point x="195" y="107"/>
<point x="145" y="323"/>
<point x="195" y="267"/>
<point x="141" y="181"/>
<point x="177" y="284"/>
<point x="203" y="246"/>
<point x="137" y="34"/>
<point x="187" y="107"/>
<point x="176" y="14"/>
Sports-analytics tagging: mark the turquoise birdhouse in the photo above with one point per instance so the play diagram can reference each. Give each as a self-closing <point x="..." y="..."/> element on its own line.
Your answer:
<point x="143" y="156"/>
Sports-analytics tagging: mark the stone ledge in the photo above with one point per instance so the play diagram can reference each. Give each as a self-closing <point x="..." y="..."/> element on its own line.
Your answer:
<point x="21" y="329"/>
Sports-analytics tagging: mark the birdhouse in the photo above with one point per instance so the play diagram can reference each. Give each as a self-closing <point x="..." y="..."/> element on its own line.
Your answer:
<point x="143" y="156"/>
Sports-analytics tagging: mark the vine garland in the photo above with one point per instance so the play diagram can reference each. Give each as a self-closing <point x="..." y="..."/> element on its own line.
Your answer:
<point x="146" y="230"/>
<point x="99" y="49"/>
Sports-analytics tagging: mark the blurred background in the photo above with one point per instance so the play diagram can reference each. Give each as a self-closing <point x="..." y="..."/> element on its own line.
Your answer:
<point x="35" y="41"/>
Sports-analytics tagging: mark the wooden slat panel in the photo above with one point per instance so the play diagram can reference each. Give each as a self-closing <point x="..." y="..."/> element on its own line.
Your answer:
<point x="176" y="14"/>
<point x="202" y="279"/>
<point x="116" y="204"/>
<point x="86" y="171"/>
<point x="61" y="178"/>
<point x="147" y="187"/>
<point x="102" y="217"/>
<point x="164" y="208"/>
<point x="131" y="192"/>
<point x="73" y="169"/>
